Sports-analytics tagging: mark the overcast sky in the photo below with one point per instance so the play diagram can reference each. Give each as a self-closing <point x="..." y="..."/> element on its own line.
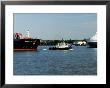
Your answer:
<point x="48" y="26"/>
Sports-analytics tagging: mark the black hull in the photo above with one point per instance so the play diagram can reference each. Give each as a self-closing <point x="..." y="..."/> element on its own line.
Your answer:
<point x="92" y="44"/>
<point x="26" y="44"/>
<point x="54" y="48"/>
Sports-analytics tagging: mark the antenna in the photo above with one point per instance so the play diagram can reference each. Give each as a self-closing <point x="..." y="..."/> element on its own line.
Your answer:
<point x="28" y="33"/>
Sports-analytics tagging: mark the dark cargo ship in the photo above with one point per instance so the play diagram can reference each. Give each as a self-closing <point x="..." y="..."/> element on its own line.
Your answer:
<point x="26" y="43"/>
<point x="93" y="41"/>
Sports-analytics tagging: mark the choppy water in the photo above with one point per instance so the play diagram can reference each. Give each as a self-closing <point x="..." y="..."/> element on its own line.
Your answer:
<point x="79" y="61"/>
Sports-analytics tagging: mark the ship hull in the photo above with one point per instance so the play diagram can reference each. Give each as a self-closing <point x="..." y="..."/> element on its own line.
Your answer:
<point x="26" y="44"/>
<point x="92" y="44"/>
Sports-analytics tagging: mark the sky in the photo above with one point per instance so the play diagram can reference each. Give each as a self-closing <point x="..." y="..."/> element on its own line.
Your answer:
<point x="55" y="26"/>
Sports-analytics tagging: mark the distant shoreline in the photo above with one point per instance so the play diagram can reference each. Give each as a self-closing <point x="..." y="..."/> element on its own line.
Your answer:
<point x="54" y="42"/>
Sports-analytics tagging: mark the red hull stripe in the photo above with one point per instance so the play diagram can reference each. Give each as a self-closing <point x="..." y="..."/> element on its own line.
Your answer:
<point x="25" y="49"/>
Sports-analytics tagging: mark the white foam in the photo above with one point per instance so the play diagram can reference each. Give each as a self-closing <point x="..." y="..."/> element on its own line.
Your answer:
<point x="71" y="49"/>
<point x="44" y="49"/>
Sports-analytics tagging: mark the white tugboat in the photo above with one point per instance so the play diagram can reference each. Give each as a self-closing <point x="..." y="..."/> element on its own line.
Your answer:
<point x="61" y="46"/>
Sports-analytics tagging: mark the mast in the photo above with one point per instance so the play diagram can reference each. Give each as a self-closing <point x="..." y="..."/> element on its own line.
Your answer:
<point x="28" y="33"/>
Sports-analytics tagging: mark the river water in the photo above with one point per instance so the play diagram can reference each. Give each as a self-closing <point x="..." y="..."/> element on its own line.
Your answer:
<point x="78" y="61"/>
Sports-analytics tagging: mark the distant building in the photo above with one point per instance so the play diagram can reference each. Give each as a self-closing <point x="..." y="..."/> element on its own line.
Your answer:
<point x="80" y="43"/>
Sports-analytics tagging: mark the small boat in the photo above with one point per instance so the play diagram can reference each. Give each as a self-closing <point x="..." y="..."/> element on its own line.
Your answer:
<point x="93" y="41"/>
<point x="61" y="46"/>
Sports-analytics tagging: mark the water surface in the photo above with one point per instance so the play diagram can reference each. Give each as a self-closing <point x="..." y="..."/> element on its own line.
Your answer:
<point x="79" y="61"/>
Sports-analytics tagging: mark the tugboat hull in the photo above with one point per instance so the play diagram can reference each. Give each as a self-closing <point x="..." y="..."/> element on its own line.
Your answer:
<point x="54" y="48"/>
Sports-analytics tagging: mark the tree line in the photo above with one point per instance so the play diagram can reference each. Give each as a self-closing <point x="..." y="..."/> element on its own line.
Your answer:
<point x="54" y="42"/>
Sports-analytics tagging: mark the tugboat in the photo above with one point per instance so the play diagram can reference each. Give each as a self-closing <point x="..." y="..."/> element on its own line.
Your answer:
<point x="93" y="41"/>
<point x="61" y="46"/>
<point x="25" y="44"/>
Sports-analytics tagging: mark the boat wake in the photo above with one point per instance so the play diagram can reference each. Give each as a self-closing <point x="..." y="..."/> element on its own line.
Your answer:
<point x="71" y="49"/>
<point x="44" y="49"/>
